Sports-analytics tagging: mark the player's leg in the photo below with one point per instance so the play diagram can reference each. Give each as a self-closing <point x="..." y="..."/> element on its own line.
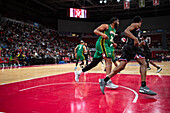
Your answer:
<point x="123" y="61"/>
<point x="82" y="58"/>
<point x="151" y="62"/>
<point x="109" y="82"/>
<point x="86" y="58"/>
<point x="77" y="60"/>
<point x="144" y="89"/>
<point x="86" y="68"/>
<point x="82" y="64"/>
<point x="117" y="69"/>
<point x="158" y="68"/>
<point x="108" y="65"/>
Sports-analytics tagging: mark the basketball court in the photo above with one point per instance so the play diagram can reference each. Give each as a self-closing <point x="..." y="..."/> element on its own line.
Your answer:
<point x="52" y="89"/>
<point x="39" y="42"/>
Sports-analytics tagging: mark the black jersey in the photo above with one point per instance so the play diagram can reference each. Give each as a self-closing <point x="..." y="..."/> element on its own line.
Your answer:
<point x="146" y="46"/>
<point x="87" y="53"/>
<point x="136" y="33"/>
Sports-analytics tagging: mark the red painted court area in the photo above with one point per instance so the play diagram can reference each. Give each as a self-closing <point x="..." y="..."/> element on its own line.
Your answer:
<point x="61" y="94"/>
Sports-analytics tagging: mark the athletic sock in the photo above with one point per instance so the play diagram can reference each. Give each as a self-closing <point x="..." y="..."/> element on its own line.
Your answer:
<point x="143" y="83"/>
<point x="106" y="79"/>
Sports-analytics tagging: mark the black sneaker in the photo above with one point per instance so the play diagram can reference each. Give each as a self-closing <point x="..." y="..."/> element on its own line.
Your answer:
<point x="148" y="68"/>
<point x="158" y="70"/>
<point x="146" y="90"/>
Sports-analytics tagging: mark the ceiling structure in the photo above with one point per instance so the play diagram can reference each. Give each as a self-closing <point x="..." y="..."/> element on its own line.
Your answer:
<point x="96" y="11"/>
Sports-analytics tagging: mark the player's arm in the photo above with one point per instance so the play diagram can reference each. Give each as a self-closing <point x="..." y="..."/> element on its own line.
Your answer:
<point x="98" y="30"/>
<point x="130" y="35"/>
<point x="75" y="50"/>
<point x="89" y="52"/>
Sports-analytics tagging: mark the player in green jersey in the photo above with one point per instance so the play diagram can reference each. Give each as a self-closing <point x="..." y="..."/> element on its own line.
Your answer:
<point x="79" y="53"/>
<point x="103" y="50"/>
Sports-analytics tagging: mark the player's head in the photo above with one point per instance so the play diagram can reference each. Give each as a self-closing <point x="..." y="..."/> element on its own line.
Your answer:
<point x="137" y="19"/>
<point x="144" y="37"/>
<point x="115" y="21"/>
<point x="81" y="42"/>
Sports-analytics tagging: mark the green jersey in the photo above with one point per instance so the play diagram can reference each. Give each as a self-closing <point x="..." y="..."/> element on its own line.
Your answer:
<point x="104" y="45"/>
<point x="80" y="49"/>
<point x="110" y="32"/>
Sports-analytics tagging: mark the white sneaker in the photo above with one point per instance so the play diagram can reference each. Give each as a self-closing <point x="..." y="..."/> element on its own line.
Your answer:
<point x="111" y="85"/>
<point x="77" y="75"/>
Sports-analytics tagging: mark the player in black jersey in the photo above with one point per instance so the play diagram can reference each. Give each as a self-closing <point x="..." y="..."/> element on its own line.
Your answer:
<point x="147" y="52"/>
<point x="87" y="54"/>
<point x="130" y="51"/>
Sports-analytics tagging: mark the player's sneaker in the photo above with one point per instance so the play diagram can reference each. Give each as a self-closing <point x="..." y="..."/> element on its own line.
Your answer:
<point x="77" y="75"/>
<point x="75" y="68"/>
<point x="102" y="85"/>
<point x="111" y="85"/>
<point x="158" y="70"/>
<point x="81" y="65"/>
<point x="146" y="90"/>
<point x="148" y="68"/>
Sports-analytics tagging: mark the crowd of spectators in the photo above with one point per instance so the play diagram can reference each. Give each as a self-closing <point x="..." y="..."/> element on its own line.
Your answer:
<point x="28" y="43"/>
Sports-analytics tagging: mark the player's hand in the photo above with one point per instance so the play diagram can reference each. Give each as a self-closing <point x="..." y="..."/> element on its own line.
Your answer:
<point x="105" y="36"/>
<point x="142" y="43"/>
<point x="136" y="42"/>
<point x="114" y="45"/>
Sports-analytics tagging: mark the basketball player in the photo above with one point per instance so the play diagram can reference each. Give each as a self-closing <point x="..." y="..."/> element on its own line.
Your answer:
<point x="103" y="50"/>
<point x="79" y="53"/>
<point x="131" y="51"/>
<point x="87" y="54"/>
<point x="147" y="53"/>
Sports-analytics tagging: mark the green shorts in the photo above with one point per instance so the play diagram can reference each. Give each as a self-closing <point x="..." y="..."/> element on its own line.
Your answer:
<point x="80" y="56"/>
<point x="102" y="47"/>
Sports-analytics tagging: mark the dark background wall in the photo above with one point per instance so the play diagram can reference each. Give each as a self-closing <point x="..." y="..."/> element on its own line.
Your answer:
<point x="161" y="22"/>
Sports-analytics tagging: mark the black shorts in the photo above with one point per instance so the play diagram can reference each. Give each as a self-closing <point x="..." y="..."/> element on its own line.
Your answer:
<point x="131" y="52"/>
<point x="148" y="56"/>
<point x="86" y="56"/>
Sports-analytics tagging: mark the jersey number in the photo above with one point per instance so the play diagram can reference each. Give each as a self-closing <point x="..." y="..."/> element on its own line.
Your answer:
<point x="80" y="47"/>
<point x="111" y="40"/>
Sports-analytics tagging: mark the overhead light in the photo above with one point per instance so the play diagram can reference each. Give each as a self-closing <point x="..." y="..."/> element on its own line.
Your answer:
<point x="118" y="0"/>
<point x="101" y="1"/>
<point x="105" y="1"/>
<point x="128" y="0"/>
<point x="144" y="31"/>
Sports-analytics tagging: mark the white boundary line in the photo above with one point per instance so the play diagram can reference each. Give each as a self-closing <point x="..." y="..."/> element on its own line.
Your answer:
<point x="134" y="100"/>
<point x="136" y="94"/>
<point x="35" y="78"/>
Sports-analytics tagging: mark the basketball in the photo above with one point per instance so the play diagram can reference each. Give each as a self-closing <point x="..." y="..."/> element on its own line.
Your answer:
<point x="123" y="40"/>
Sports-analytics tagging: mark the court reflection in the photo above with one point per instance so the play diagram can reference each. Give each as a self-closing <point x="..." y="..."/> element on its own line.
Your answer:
<point x="81" y="91"/>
